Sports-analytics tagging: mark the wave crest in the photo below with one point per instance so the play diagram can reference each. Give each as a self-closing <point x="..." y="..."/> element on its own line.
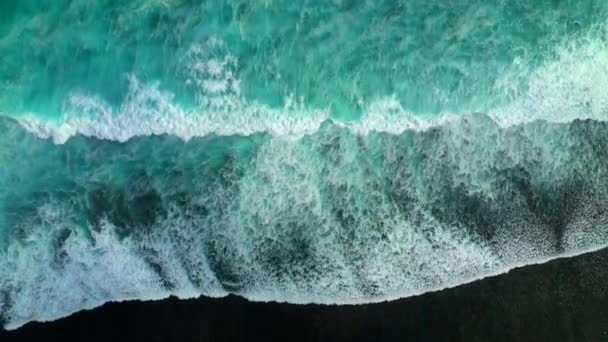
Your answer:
<point x="568" y="87"/>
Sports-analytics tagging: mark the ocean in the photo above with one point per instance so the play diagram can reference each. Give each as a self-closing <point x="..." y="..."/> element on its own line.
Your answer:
<point x="328" y="152"/>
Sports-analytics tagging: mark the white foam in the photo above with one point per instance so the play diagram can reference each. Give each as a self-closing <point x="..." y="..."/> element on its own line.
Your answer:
<point x="285" y="183"/>
<point x="148" y="111"/>
<point x="45" y="292"/>
<point x="570" y="87"/>
<point x="92" y="272"/>
<point x="292" y="189"/>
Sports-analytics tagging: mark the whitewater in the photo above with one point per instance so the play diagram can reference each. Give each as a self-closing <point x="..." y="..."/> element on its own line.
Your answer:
<point x="334" y="152"/>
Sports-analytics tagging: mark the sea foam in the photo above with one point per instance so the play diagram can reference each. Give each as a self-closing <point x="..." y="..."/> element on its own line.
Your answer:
<point x="567" y="88"/>
<point x="333" y="217"/>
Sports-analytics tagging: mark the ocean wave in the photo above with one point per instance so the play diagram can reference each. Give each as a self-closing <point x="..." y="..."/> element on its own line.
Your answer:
<point x="565" y="88"/>
<point x="302" y="193"/>
<point x="333" y="217"/>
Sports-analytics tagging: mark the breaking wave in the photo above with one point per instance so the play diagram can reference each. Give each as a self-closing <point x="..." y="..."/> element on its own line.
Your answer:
<point x="332" y="217"/>
<point x="269" y="150"/>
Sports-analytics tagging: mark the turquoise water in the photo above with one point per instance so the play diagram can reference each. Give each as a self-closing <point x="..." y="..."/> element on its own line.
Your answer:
<point x="322" y="151"/>
<point x="340" y="57"/>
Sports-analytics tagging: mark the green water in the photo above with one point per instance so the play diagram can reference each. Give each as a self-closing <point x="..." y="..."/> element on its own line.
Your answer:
<point x="339" y="56"/>
<point x="315" y="151"/>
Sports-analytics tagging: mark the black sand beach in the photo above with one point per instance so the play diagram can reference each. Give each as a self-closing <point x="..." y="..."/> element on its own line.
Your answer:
<point x="563" y="300"/>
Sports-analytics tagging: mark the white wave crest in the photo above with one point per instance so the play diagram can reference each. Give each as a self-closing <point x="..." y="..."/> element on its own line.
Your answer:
<point x="569" y="87"/>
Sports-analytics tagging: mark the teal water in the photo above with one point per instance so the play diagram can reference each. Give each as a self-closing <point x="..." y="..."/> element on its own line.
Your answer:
<point x="316" y="151"/>
<point x="340" y="57"/>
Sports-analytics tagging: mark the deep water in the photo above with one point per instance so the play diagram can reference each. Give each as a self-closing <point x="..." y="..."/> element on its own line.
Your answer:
<point x="321" y="151"/>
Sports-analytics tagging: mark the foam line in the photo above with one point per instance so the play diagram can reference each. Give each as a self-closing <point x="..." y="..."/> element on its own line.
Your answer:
<point x="333" y="217"/>
<point x="568" y="87"/>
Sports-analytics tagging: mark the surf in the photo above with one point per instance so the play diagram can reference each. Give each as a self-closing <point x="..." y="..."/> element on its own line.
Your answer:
<point x="327" y="152"/>
<point x="333" y="217"/>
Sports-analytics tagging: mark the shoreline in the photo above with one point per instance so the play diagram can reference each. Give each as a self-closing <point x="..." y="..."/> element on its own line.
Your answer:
<point x="563" y="300"/>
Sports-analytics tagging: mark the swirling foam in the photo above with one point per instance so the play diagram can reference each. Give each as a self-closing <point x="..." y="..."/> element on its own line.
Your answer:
<point x="455" y="197"/>
<point x="332" y="217"/>
<point x="564" y="89"/>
